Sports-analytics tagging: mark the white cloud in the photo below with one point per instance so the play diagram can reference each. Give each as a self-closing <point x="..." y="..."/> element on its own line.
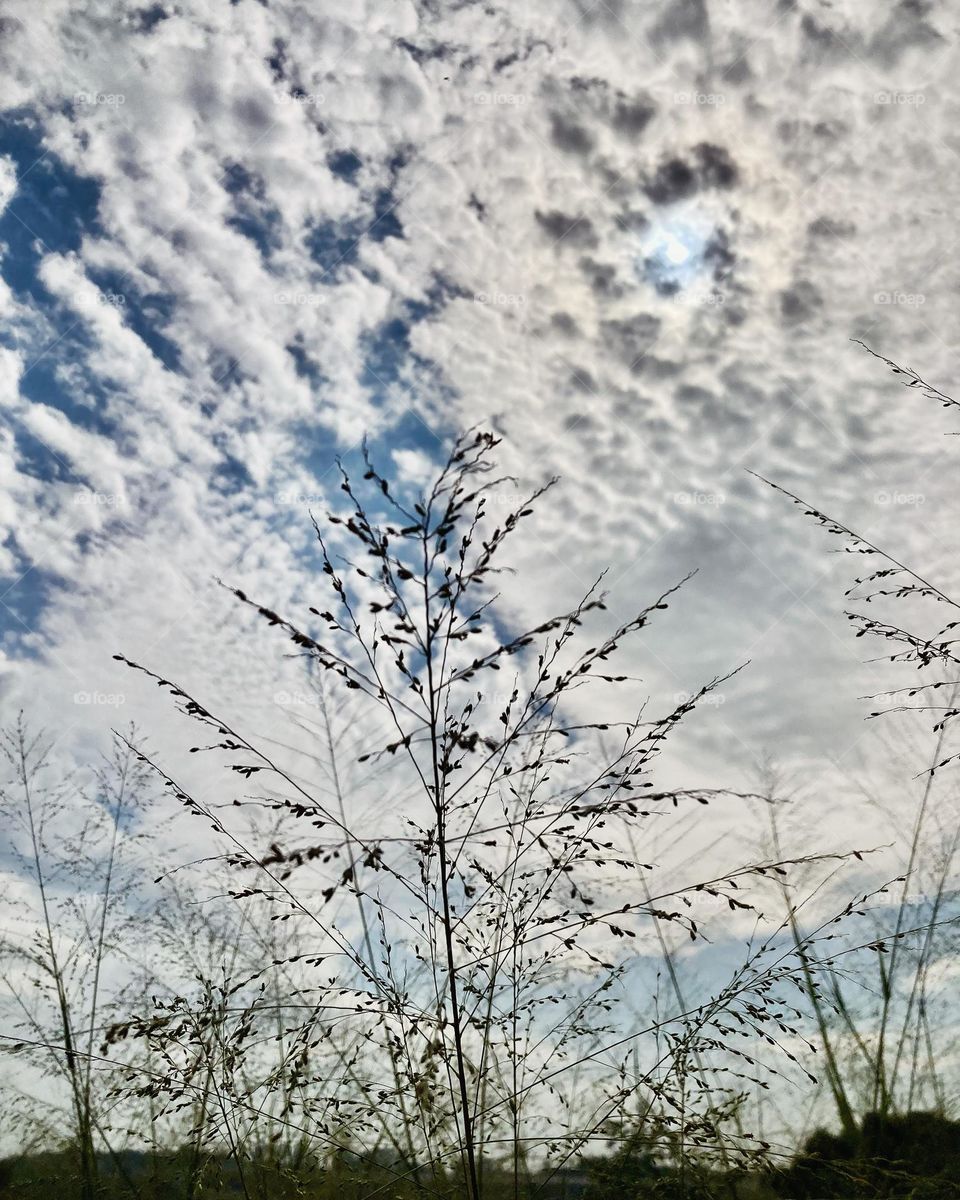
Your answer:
<point x="519" y="152"/>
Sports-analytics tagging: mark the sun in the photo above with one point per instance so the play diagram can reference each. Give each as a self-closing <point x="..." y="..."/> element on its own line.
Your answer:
<point x="678" y="247"/>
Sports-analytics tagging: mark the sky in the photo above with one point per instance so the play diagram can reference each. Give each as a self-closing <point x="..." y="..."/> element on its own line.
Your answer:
<point x="634" y="239"/>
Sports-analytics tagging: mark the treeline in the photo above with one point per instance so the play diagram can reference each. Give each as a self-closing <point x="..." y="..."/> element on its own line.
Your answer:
<point x="911" y="1157"/>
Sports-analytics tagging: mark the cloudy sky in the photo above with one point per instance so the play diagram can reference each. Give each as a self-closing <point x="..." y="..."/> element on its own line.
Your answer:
<point x="633" y="238"/>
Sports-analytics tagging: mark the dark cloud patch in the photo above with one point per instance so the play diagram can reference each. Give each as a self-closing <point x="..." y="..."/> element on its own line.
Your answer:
<point x="40" y="462"/>
<point x="603" y="278"/>
<point x="735" y="379"/>
<point x="858" y="428"/>
<point x="52" y="206"/>
<point x="588" y="83"/>
<point x="715" y="167"/>
<point x="631" y="117"/>
<point x="569" y="135"/>
<point x="800" y="133"/>
<point x="426" y="53"/>
<point x="563" y="228"/>
<point x="906" y="27"/>
<point x="228" y="373"/>
<point x="10" y="30"/>
<point x="385" y="350"/>
<point x="398" y="95"/>
<point x="709" y="166"/>
<point x="824" y="227"/>
<point x="580" y="421"/>
<point x="611" y="13"/>
<point x="674" y="180"/>
<point x="564" y="324"/>
<point x="27" y="595"/>
<point x="689" y="395"/>
<point x="85" y="404"/>
<point x="630" y="338"/>
<point x="230" y="477"/>
<point x="596" y="103"/>
<point x="509" y="60"/>
<point x="345" y="165"/>
<point x="252" y="217"/>
<point x="824" y="42"/>
<point x="734" y="314"/>
<point x="305" y="364"/>
<point x="632" y="220"/>
<point x="440" y="292"/>
<point x="333" y="245"/>
<point x="150" y="314"/>
<point x="738" y="69"/>
<point x="682" y="19"/>
<point x="388" y="351"/>
<point x="658" y="369"/>
<point x="718" y="256"/>
<point x="253" y="113"/>
<point x="277" y="60"/>
<point x="800" y="302"/>
<point x="336" y="244"/>
<point x="237" y="179"/>
<point x="143" y="20"/>
<point x="582" y="380"/>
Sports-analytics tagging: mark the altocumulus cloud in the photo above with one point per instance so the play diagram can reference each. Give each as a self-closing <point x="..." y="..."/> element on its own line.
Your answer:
<point x="635" y="240"/>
